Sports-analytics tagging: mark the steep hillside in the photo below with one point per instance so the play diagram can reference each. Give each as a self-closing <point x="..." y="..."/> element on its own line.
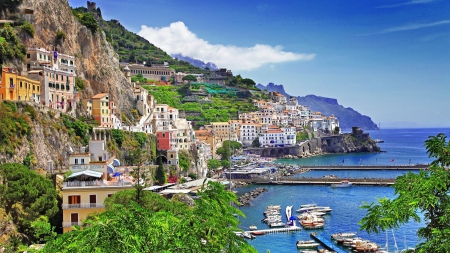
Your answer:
<point x="133" y="48"/>
<point x="347" y="116"/>
<point x="96" y="59"/>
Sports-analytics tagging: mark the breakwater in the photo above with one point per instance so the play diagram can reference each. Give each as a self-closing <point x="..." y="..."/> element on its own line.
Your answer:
<point x="246" y="198"/>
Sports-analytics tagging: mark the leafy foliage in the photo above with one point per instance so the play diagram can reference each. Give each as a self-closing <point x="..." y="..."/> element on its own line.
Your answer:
<point x="256" y="143"/>
<point x="78" y="128"/>
<point x="190" y="78"/>
<point x="227" y="149"/>
<point x="79" y="83"/>
<point x="28" y="28"/>
<point x="27" y="197"/>
<point x="160" y="174"/>
<point x="301" y="136"/>
<point x="213" y="164"/>
<point x="426" y="192"/>
<point x="118" y="136"/>
<point x="184" y="160"/>
<point x="14" y="125"/>
<point x="159" y="225"/>
<point x="88" y="20"/>
<point x="139" y="78"/>
<point x="10" y="46"/>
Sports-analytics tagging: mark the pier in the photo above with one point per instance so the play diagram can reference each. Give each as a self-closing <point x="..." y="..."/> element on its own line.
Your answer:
<point x="320" y="181"/>
<point x="367" y="167"/>
<point x="276" y="230"/>
<point x="326" y="243"/>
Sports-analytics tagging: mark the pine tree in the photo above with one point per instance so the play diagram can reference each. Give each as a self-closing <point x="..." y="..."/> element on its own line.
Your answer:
<point x="160" y="175"/>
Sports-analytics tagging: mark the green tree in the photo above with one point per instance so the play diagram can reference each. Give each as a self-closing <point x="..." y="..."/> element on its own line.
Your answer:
<point x="118" y="136"/>
<point x="227" y="149"/>
<point x="10" y="5"/>
<point x="190" y="78"/>
<point x="89" y="21"/>
<point x="337" y="130"/>
<point x="248" y="83"/>
<point x="159" y="225"/>
<point x="426" y="192"/>
<point x="213" y="164"/>
<point x="160" y="174"/>
<point x="184" y="160"/>
<point x="28" y="28"/>
<point x="256" y="143"/>
<point x="225" y="164"/>
<point x="26" y="197"/>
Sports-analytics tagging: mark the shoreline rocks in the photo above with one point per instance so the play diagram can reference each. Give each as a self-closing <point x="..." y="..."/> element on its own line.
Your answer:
<point x="246" y="198"/>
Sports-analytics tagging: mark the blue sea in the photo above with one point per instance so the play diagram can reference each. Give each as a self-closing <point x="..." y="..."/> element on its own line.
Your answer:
<point x="402" y="146"/>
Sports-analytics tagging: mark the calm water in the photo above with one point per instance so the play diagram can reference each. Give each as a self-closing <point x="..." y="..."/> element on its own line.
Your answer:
<point x="403" y="145"/>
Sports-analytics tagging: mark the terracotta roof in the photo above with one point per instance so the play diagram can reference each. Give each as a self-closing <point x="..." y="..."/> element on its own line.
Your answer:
<point x="274" y="131"/>
<point x="100" y="95"/>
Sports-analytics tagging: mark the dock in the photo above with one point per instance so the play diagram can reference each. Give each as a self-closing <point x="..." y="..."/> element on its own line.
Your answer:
<point x="277" y="230"/>
<point x="322" y="181"/>
<point x="326" y="243"/>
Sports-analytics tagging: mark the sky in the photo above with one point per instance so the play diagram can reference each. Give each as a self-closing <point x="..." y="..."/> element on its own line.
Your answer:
<point x="389" y="60"/>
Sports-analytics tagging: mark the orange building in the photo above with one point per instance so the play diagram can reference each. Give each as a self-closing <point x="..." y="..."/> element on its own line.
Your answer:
<point x="16" y="87"/>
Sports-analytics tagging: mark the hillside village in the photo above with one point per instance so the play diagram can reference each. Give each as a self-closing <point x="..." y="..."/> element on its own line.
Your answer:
<point x="51" y="80"/>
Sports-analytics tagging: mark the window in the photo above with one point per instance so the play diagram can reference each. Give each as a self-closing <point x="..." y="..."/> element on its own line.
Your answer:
<point x="73" y="219"/>
<point x="56" y="77"/>
<point x="74" y="201"/>
<point x="92" y="200"/>
<point x="82" y="160"/>
<point x="109" y="195"/>
<point x="76" y="161"/>
<point x="28" y="56"/>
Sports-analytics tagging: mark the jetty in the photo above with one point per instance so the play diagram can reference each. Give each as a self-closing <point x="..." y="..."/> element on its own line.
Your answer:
<point x="367" y="167"/>
<point x="326" y="243"/>
<point x="276" y="230"/>
<point x="321" y="181"/>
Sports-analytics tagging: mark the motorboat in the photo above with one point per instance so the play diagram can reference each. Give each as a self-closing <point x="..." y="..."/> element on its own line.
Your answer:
<point x="273" y="207"/>
<point x="253" y="227"/>
<point x="313" y="226"/>
<point x="311" y="244"/>
<point x="343" y="235"/>
<point x="313" y="208"/>
<point x="343" y="184"/>
<point x="258" y="233"/>
<point x="245" y="235"/>
<point x="277" y="224"/>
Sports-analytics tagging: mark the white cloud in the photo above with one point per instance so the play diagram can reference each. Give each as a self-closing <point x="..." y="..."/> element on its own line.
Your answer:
<point x="414" y="26"/>
<point x="408" y="27"/>
<point x="177" y="39"/>
<point x="406" y="3"/>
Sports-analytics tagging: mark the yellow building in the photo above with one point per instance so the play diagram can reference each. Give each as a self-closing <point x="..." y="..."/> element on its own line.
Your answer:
<point x="81" y="198"/>
<point x="100" y="107"/>
<point x="16" y="87"/>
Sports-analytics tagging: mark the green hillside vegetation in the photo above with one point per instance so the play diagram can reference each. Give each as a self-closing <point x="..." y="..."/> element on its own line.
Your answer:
<point x="220" y="107"/>
<point x="129" y="46"/>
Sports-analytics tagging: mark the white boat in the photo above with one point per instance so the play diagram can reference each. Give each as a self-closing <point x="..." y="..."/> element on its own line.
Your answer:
<point x="253" y="227"/>
<point x="343" y="184"/>
<point x="273" y="207"/>
<point x="313" y="208"/>
<point x="277" y="224"/>
<point x="311" y="244"/>
<point x="343" y="235"/>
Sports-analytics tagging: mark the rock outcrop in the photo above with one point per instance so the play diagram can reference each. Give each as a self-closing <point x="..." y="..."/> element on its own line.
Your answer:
<point x="355" y="142"/>
<point x="246" y="198"/>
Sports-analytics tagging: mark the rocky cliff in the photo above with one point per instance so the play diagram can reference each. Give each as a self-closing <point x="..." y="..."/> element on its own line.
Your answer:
<point x="348" y="117"/>
<point x="96" y="60"/>
<point x="355" y="142"/>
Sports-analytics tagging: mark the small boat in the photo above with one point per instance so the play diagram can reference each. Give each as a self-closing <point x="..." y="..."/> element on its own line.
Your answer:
<point x="277" y="224"/>
<point x="258" y="233"/>
<point x="311" y="244"/>
<point x="253" y="227"/>
<point x="342" y="235"/>
<point x="378" y="141"/>
<point x="245" y="235"/>
<point x="343" y="184"/>
<point x="288" y="212"/>
<point x="273" y="207"/>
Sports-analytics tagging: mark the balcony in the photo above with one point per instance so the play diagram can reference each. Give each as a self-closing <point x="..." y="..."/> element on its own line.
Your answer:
<point x="71" y="224"/>
<point x="97" y="183"/>
<point x="83" y="205"/>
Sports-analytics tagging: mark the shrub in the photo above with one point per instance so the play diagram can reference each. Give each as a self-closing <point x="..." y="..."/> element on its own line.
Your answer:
<point x="89" y="21"/>
<point x="28" y="28"/>
<point x="60" y="35"/>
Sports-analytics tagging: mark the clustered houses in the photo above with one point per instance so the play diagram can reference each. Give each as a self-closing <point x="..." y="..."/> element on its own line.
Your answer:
<point x="274" y="124"/>
<point x="47" y="79"/>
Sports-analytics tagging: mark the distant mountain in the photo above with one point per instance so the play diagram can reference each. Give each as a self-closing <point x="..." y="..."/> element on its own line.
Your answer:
<point x="348" y="117"/>
<point x="195" y="62"/>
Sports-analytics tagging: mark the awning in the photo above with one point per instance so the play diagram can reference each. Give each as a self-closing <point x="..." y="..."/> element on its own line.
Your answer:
<point x="116" y="162"/>
<point x="89" y="173"/>
<point x="110" y="169"/>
